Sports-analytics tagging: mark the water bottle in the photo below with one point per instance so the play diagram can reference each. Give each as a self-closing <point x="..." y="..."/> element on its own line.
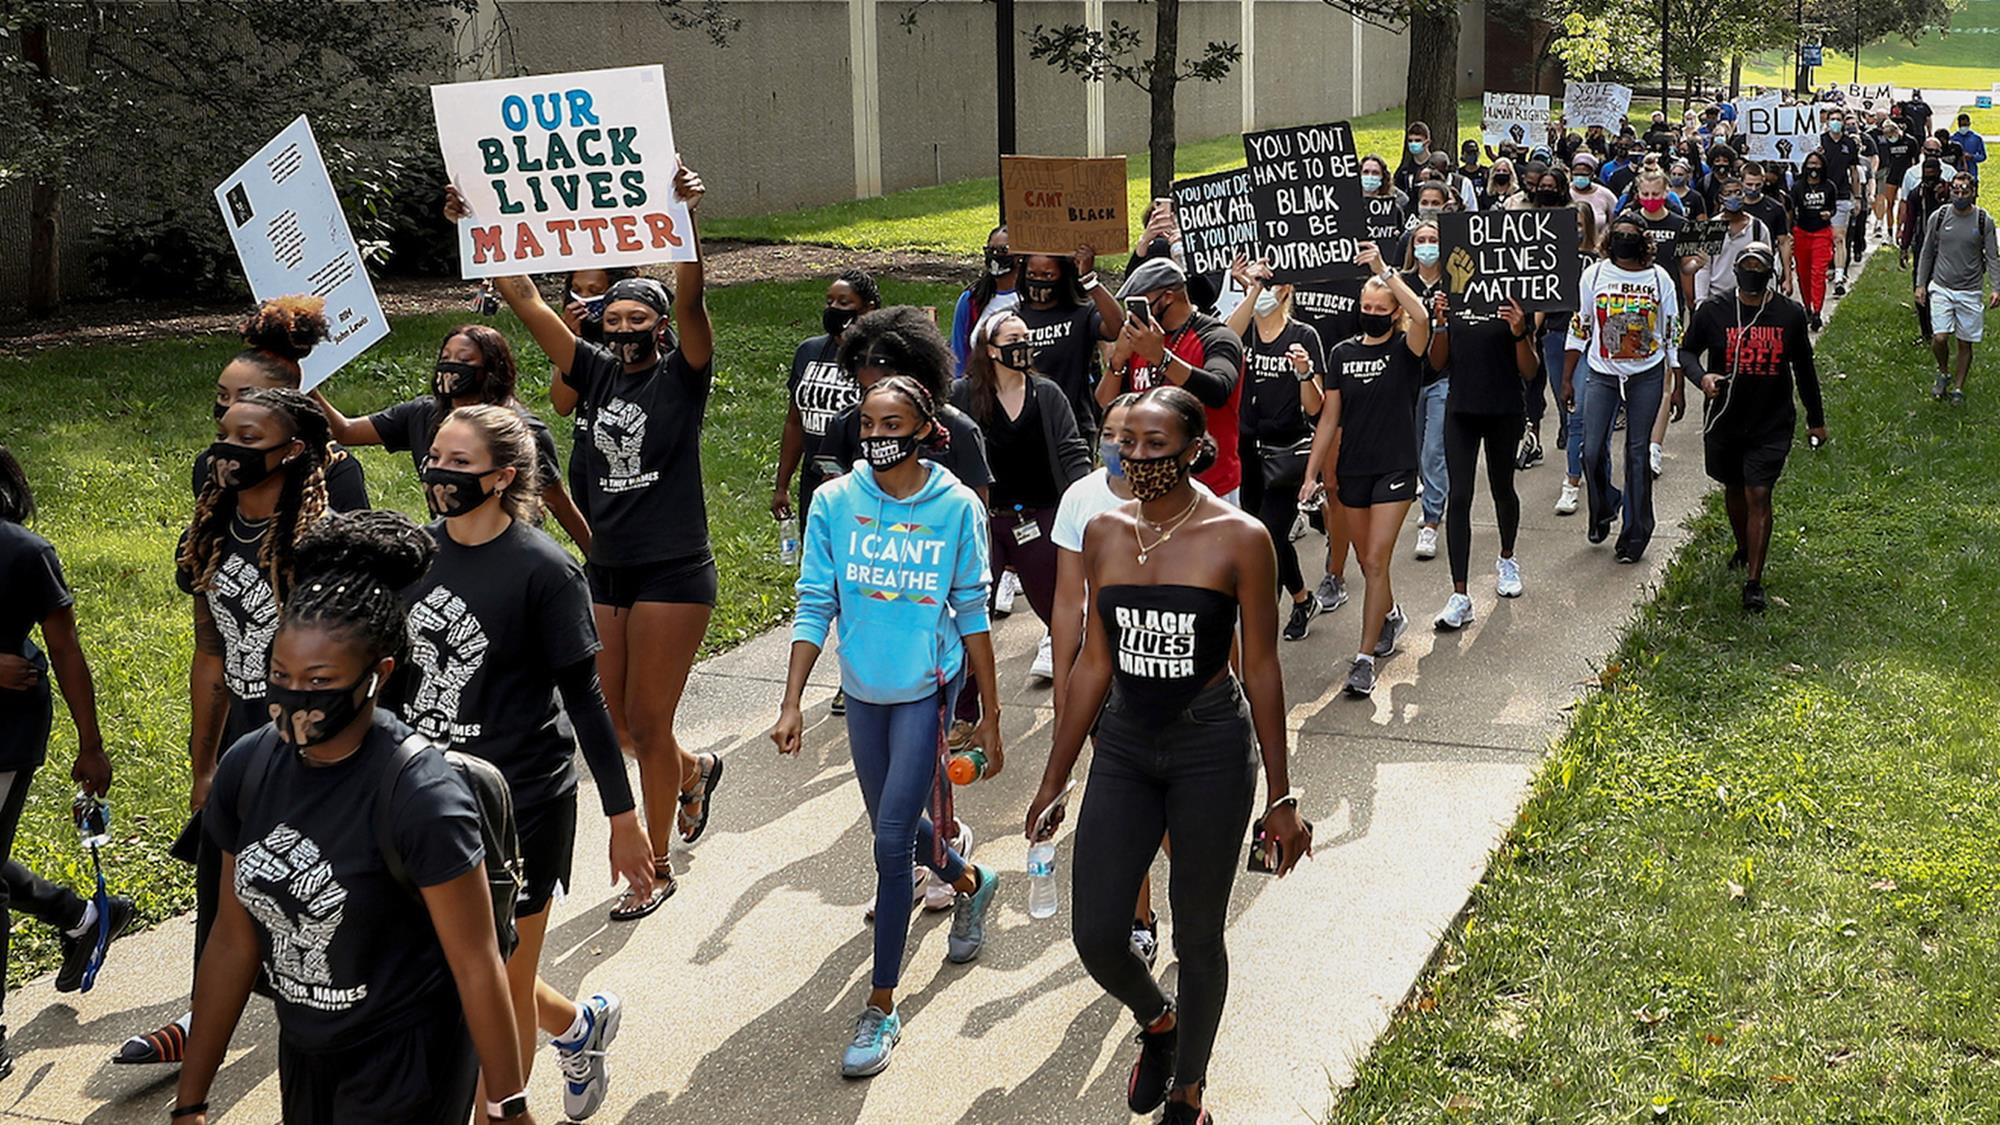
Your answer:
<point x="788" y="541"/>
<point x="1042" y="900"/>
<point x="966" y="766"/>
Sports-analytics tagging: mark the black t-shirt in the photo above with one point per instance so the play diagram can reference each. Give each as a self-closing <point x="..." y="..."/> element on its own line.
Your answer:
<point x="1918" y="113"/>
<point x="1767" y="349"/>
<point x="1694" y="202"/>
<point x="32" y="577"/>
<point x="1426" y="291"/>
<point x="346" y="484"/>
<point x="644" y="461"/>
<point x="1330" y="308"/>
<point x="411" y="426"/>
<point x="1065" y="341"/>
<point x="1378" y="386"/>
<point x="1017" y="450"/>
<point x="965" y="457"/>
<point x="1621" y="179"/>
<point x="1271" y="411"/>
<point x="1770" y="210"/>
<point x="1485" y="379"/>
<point x="1897" y="157"/>
<point x="820" y="388"/>
<point x="490" y="626"/>
<point x="1661" y="232"/>
<point x="1841" y="154"/>
<point x="245" y="609"/>
<point x="1814" y="204"/>
<point x="349" y="952"/>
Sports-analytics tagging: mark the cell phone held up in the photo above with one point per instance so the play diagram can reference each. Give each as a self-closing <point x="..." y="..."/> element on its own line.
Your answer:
<point x="1266" y="853"/>
<point x="1138" y="309"/>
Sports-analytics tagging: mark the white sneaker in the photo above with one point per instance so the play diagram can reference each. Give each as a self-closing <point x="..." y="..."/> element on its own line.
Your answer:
<point x="939" y="895"/>
<point x="1456" y="614"/>
<point x="1044" y="667"/>
<point x="920" y="887"/>
<point x="1653" y="454"/>
<point x="1567" y="502"/>
<point x="1427" y="542"/>
<point x="1004" y="593"/>
<point x="586" y="1071"/>
<point x="1508" y="581"/>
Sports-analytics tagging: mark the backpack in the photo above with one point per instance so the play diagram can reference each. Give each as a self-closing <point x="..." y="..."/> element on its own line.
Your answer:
<point x="497" y="830"/>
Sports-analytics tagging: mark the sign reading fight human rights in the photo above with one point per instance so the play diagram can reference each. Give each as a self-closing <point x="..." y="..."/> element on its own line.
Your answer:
<point x="1516" y="119"/>
<point x="1058" y="203"/>
<point x="1596" y="103"/>
<point x="292" y="237"/>
<point x="1491" y="256"/>
<point x="1778" y="132"/>
<point x="563" y="171"/>
<point x="1305" y="190"/>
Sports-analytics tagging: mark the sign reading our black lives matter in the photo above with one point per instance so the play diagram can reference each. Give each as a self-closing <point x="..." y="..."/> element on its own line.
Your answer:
<point x="1491" y="257"/>
<point x="1305" y="190"/>
<point x="562" y="171"/>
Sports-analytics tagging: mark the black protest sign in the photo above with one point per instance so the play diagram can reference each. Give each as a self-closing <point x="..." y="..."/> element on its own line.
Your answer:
<point x="1305" y="188"/>
<point x="1491" y="257"/>
<point x="1216" y="221"/>
<point x="1701" y="236"/>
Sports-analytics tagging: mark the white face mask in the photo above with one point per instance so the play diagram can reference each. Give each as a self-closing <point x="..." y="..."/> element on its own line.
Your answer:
<point x="1267" y="303"/>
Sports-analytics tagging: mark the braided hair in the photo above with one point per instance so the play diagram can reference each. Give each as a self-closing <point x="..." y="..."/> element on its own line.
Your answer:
<point x="350" y="567"/>
<point x="922" y="401"/>
<point x="301" y="502"/>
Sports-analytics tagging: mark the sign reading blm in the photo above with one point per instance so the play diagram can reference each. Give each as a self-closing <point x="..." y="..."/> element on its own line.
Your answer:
<point x="1305" y="189"/>
<point x="1058" y="203"/>
<point x="1491" y="257"/>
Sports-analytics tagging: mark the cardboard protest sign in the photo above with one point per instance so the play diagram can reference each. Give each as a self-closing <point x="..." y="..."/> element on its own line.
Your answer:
<point x="1305" y="188"/>
<point x="1866" y="96"/>
<point x="1778" y="132"/>
<point x="292" y="237"/>
<point x="1596" y="103"/>
<point x="563" y="171"/>
<point x="1701" y="236"/>
<point x="1216" y="222"/>
<point x="1491" y="256"/>
<point x="1518" y="119"/>
<point x="1058" y="203"/>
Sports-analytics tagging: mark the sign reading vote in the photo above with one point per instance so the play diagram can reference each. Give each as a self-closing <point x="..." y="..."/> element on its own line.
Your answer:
<point x="1516" y="119"/>
<point x="562" y="171"/>
<point x="1305" y="189"/>
<point x="1779" y="132"/>
<point x="1491" y="257"/>
<point x="1596" y="103"/>
<point x="1058" y="203"/>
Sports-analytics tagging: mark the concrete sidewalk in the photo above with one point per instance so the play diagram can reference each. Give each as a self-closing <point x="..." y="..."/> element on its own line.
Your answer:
<point x="741" y="991"/>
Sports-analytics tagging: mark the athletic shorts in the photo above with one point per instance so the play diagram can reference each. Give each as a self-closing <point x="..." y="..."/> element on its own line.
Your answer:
<point x="548" y="842"/>
<point x="419" y="1071"/>
<point x="1379" y="488"/>
<point x="690" y="580"/>
<point x="1738" y="461"/>
<point x="1958" y="312"/>
<point x="1842" y="211"/>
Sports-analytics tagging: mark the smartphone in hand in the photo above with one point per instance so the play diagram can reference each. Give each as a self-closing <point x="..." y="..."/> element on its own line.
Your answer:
<point x="1139" y="309"/>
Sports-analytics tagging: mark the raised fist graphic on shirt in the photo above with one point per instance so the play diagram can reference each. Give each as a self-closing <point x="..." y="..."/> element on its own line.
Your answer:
<point x="619" y="432"/>
<point x="286" y="884"/>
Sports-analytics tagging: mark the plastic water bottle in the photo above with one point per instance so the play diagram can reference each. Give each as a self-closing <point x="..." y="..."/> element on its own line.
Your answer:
<point x="788" y="541"/>
<point x="966" y="766"/>
<point x="1042" y="898"/>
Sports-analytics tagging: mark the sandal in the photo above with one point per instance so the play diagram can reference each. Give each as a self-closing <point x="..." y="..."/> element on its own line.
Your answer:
<point x="693" y="825"/>
<point x="167" y="1045"/>
<point x="631" y="908"/>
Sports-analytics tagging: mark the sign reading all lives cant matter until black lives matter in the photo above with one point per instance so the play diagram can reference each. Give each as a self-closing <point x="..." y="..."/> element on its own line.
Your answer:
<point x="1305" y="189"/>
<point x="292" y="237"/>
<point x="1058" y="203"/>
<point x="1491" y="256"/>
<point x="562" y="171"/>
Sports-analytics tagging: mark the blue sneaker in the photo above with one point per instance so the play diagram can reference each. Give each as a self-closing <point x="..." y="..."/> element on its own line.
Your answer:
<point x="585" y="1066"/>
<point x="968" y="919"/>
<point x="875" y="1036"/>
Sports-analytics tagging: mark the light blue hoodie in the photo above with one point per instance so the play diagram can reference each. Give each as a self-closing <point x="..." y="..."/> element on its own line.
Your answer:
<point x="906" y="578"/>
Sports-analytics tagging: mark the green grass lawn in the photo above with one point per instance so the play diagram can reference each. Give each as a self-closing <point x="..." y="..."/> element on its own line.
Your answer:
<point x="107" y="434"/>
<point x="1964" y="57"/>
<point x="1759" y="880"/>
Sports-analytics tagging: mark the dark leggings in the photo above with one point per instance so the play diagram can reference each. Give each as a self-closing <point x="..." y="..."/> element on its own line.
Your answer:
<point x="1276" y="505"/>
<point x="1033" y="562"/>
<point x="1191" y="774"/>
<point x="20" y="888"/>
<point x="1463" y="435"/>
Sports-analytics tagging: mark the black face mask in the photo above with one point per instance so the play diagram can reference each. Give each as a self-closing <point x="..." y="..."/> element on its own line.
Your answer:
<point x="237" y="467"/>
<point x="636" y="346"/>
<point x="1376" y="324"/>
<point x="885" y="453"/>
<point x="1039" y="292"/>
<point x="999" y="263"/>
<point x="1019" y="355"/>
<point x="308" y="718"/>
<point x="1813" y="172"/>
<point x="1752" y="282"/>
<point x="221" y="408"/>
<point x="451" y="492"/>
<point x="452" y="378"/>
<point x="834" y="320"/>
<point x="1628" y="245"/>
<point x="1546" y="198"/>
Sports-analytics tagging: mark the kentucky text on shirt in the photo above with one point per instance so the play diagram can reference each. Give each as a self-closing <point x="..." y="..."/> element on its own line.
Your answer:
<point x="1155" y="643"/>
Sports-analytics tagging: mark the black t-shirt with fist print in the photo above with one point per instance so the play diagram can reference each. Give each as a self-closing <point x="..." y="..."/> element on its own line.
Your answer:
<point x="643" y="465"/>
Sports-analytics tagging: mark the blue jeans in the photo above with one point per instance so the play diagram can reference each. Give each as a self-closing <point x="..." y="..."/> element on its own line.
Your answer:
<point x="895" y="759"/>
<point x="1634" y="504"/>
<point x="1574" y="418"/>
<point x="1548" y="384"/>
<point x="1430" y="449"/>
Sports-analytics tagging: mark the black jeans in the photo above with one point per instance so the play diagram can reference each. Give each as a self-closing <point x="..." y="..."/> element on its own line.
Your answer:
<point x="1191" y="774"/>
<point x="1464" y="434"/>
<point x="21" y="888"/>
<point x="1275" y="503"/>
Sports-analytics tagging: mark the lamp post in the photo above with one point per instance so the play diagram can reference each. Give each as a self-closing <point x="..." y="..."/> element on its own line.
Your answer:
<point x="1003" y="81"/>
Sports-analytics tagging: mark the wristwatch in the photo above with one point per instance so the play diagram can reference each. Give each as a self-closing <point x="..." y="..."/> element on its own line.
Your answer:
<point x="507" y="1109"/>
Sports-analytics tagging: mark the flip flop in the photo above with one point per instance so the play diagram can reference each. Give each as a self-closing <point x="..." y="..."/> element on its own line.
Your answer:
<point x="691" y="826"/>
<point x="630" y="909"/>
<point x="167" y="1045"/>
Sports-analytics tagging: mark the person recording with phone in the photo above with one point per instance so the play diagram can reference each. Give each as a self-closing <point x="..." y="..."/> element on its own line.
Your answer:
<point x="1168" y="341"/>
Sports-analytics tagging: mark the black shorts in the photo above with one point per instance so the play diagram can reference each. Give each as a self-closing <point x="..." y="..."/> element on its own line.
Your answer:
<point x="420" y="1072"/>
<point x="1378" y="488"/>
<point x="548" y="842"/>
<point x="689" y="580"/>
<point x="1746" y="462"/>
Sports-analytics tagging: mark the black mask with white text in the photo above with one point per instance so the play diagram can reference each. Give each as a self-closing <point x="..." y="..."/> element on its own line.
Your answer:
<point x="885" y="453"/>
<point x="453" y="492"/>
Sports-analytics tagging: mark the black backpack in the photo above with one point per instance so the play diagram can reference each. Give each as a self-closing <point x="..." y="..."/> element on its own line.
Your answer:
<point x="497" y="830"/>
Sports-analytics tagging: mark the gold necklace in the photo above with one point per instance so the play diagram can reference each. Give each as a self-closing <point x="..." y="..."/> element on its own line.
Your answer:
<point x="1167" y="529"/>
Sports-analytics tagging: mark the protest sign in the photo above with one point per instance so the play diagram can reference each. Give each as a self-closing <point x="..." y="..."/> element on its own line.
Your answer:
<point x="1058" y="203"/>
<point x="1491" y="256"/>
<point x="1305" y="189"/>
<point x="563" y="171"/>
<point x="1701" y="236"/>
<point x="1517" y="119"/>
<point x="1778" y="132"/>
<point x="1596" y="103"/>
<point x="1216" y="222"/>
<point x="292" y="237"/>
<point x="1866" y="96"/>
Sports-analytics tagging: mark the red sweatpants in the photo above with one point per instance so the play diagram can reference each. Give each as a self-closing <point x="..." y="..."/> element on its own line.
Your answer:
<point x="1812" y="252"/>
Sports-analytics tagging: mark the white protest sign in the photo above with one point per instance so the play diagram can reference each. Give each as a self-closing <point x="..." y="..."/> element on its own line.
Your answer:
<point x="1778" y="132"/>
<point x="562" y="171"/>
<point x="1867" y="97"/>
<point x="292" y="237"/>
<point x="1596" y="103"/>
<point x="1517" y="119"/>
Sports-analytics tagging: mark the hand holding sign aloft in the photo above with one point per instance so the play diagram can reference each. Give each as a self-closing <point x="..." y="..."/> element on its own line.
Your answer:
<point x="1084" y="256"/>
<point x="1517" y="320"/>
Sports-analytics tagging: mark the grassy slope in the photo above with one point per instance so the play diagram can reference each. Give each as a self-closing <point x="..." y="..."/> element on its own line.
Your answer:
<point x="1964" y="58"/>
<point x="107" y="433"/>
<point x="1757" y="882"/>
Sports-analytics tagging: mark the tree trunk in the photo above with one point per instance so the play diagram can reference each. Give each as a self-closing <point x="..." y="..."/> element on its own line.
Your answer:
<point x="1735" y="75"/>
<point x="1165" y="79"/>
<point x="1431" y="93"/>
<point x="44" y="198"/>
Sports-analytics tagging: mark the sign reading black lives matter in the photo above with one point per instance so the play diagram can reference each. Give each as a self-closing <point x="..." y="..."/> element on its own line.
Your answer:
<point x="1491" y="256"/>
<point x="1305" y="189"/>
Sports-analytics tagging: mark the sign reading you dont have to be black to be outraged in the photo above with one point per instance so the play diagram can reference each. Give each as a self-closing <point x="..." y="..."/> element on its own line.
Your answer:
<point x="1491" y="256"/>
<point x="1305" y="189"/>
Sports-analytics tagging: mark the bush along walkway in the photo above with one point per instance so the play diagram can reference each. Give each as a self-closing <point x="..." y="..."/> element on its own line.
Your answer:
<point x="1757" y="881"/>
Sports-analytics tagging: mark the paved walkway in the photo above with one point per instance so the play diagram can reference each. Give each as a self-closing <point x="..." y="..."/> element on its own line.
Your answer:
<point x="741" y="990"/>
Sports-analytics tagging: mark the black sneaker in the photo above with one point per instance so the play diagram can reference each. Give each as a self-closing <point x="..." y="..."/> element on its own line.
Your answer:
<point x="1302" y="615"/>
<point x="1147" y="1086"/>
<point x="1145" y="940"/>
<point x="1813" y="321"/>
<point x="1181" y="1113"/>
<point x="839" y="704"/>
<point x="1531" y="451"/>
<point x="6" y="1056"/>
<point x="1393" y="628"/>
<point x="76" y="950"/>
<point x="1754" y="600"/>
<point x="1360" y="679"/>
<point x="1562" y="435"/>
